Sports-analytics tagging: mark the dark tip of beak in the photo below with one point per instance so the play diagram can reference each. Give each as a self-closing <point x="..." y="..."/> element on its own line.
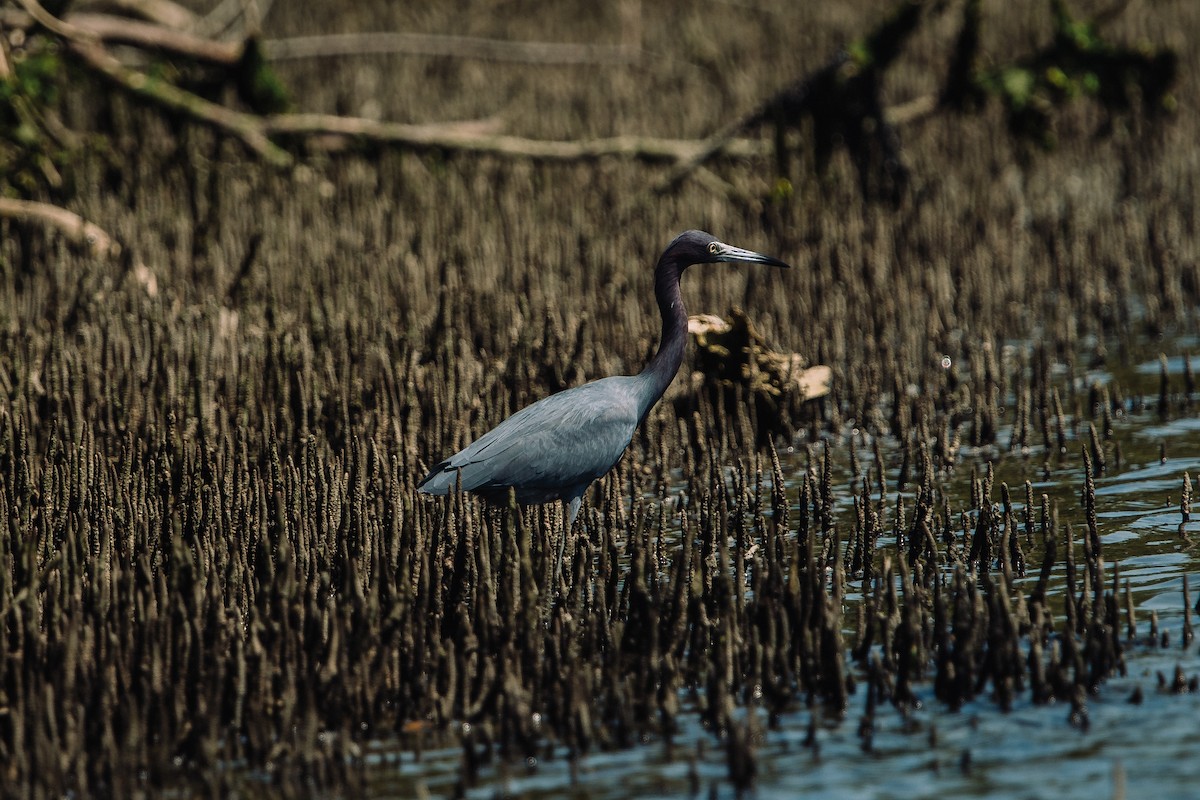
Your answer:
<point x="738" y="256"/>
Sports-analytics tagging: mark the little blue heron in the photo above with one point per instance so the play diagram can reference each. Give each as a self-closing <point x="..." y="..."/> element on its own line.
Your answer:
<point x="556" y="448"/>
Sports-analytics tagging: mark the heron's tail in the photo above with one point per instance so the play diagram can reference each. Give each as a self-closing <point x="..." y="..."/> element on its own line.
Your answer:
<point x="441" y="480"/>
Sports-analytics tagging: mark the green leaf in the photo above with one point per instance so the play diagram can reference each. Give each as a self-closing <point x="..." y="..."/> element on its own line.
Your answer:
<point x="1017" y="84"/>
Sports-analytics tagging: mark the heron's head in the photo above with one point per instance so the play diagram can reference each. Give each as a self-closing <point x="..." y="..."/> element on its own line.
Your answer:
<point x="698" y="247"/>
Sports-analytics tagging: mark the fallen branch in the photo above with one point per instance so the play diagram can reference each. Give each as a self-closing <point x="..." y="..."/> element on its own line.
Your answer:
<point x="173" y="33"/>
<point x="53" y="24"/>
<point x="341" y="44"/>
<point x="75" y="228"/>
<point x="162" y="12"/>
<point x="456" y="137"/>
<point x="156" y="37"/>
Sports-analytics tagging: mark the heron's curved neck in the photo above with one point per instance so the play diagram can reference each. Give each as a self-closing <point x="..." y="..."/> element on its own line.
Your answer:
<point x="659" y="373"/>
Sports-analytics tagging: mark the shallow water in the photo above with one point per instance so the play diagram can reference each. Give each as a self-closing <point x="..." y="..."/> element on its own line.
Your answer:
<point x="1125" y="749"/>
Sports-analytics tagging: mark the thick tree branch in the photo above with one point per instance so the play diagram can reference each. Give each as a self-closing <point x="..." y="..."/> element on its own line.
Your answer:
<point x="74" y="227"/>
<point x="158" y="38"/>
<point x="163" y="12"/>
<point x="55" y="25"/>
<point x="456" y="137"/>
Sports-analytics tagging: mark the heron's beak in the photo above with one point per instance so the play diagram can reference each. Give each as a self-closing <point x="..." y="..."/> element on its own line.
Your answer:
<point x="727" y="253"/>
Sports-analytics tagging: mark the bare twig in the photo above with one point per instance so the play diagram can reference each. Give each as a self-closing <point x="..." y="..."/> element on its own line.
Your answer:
<point x="74" y="227"/>
<point x="151" y="36"/>
<point x="5" y="70"/>
<point x="55" y="25"/>
<point x="173" y="37"/>
<point x="340" y="44"/>
<point x="455" y="137"/>
<point x="915" y="110"/>
<point x="162" y="12"/>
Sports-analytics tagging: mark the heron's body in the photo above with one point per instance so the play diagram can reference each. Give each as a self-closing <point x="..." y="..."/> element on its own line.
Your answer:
<point x="557" y="447"/>
<point x="551" y="450"/>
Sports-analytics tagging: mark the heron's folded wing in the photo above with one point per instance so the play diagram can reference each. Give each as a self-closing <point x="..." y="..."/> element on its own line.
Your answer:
<point x="566" y="440"/>
<point x="564" y="451"/>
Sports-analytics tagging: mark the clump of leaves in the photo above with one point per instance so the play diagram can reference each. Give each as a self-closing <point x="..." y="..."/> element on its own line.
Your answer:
<point x="1079" y="62"/>
<point x="28" y="148"/>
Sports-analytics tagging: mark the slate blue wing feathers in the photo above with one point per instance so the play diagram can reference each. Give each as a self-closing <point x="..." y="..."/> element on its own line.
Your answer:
<point x="563" y="442"/>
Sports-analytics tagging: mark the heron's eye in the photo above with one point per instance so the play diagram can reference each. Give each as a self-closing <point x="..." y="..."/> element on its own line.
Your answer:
<point x="714" y="247"/>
